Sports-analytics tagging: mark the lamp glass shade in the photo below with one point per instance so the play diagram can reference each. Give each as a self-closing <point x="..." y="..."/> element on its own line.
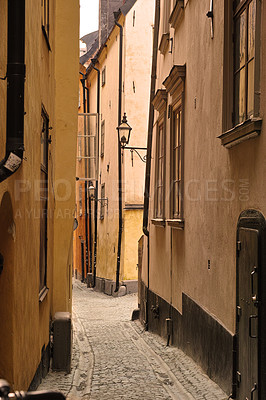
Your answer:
<point x="124" y="130"/>
<point x="91" y="190"/>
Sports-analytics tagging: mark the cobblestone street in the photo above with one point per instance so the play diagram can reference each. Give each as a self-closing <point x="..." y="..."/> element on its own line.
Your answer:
<point x="114" y="358"/>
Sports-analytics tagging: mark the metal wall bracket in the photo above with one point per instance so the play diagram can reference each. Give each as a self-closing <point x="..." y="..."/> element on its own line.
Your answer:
<point x="210" y="15"/>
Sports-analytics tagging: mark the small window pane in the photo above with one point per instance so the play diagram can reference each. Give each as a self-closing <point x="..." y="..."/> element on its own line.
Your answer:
<point x="102" y="201"/>
<point x="159" y="201"/>
<point x="80" y="200"/>
<point x="43" y="229"/>
<point x="161" y="172"/>
<point x="161" y="148"/>
<point x="240" y="96"/>
<point x="179" y="164"/>
<point x="251" y="29"/>
<point x="251" y="88"/>
<point x="240" y="41"/>
<point x="180" y="127"/>
<point x="175" y="202"/>
<point x="177" y="160"/>
<point x="166" y="16"/>
<point x="44" y="141"/>
<point x="102" y="138"/>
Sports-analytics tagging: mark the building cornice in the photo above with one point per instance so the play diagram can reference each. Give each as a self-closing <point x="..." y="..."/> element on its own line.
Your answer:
<point x="175" y="78"/>
<point x="176" y="14"/>
<point x="160" y="99"/>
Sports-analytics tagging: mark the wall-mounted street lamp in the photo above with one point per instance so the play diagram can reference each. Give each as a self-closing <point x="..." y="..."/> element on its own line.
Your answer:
<point x="124" y="130"/>
<point x="92" y="196"/>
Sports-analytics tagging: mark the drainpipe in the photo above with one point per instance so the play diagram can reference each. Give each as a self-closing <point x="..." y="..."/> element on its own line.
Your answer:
<point x="86" y="175"/>
<point x="15" y="89"/>
<point x="149" y="139"/>
<point x="119" y="159"/>
<point x="90" y="205"/>
<point x="96" y="182"/>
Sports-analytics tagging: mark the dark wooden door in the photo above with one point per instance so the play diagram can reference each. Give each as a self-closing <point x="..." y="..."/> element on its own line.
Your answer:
<point x="247" y="314"/>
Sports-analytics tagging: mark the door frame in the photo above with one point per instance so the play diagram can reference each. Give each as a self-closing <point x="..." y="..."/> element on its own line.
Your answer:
<point x="254" y="219"/>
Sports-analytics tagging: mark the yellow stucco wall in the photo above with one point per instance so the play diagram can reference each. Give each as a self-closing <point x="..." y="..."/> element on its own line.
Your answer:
<point x="24" y="320"/>
<point x="66" y="101"/>
<point x="131" y="234"/>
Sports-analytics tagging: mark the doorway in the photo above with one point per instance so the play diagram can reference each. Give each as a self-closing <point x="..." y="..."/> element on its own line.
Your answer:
<point x="250" y="307"/>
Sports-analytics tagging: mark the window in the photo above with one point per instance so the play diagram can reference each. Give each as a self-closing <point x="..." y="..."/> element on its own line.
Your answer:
<point x="241" y="92"/>
<point x="79" y="147"/>
<point x="166" y="14"/>
<point x="80" y="200"/>
<point x="45" y="21"/>
<point x="159" y="102"/>
<point x="103" y="76"/>
<point x="102" y="201"/>
<point x="160" y="172"/>
<point x="43" y="203"/>
<point x="164" y="42"/>
<point x="175" y="86"/>
<point x="102" y="138"/>
<point x="176" y="178"/>
<point x="244" y="60"/>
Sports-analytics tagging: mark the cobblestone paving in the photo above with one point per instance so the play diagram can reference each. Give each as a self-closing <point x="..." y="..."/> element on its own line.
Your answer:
<point x="114" y="358"/>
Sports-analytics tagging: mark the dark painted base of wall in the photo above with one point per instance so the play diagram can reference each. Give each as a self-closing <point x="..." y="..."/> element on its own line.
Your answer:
<point x="196" y="332"/>
<point x="107" y="286"/>
<point x="42" y="370"/>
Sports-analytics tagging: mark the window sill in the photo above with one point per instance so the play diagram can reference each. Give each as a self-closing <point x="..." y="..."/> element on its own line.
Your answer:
<point x="158" y="222"/>
<point x="46" y="38"/>
<point x="43" y="293"/>
<point x="176" y="223"/>
<point x="163" y="46"/>
<point x="247" y="130"/>
<point x="177" y="14"/>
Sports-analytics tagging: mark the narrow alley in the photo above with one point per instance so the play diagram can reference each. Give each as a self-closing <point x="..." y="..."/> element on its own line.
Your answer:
<point x="114" y="358"/>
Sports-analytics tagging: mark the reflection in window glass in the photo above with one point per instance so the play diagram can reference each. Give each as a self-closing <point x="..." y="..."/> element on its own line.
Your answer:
<point x="244" y="61"/>
<point x="177" y="165"/>
<point x="159" y="201"/>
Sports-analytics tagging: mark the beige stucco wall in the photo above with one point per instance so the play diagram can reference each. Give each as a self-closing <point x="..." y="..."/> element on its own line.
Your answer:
<point x="219" y="183"/>
<point x="137" y="70"/>
<point x="137" y="43"/>
<point x="24" y="320"/>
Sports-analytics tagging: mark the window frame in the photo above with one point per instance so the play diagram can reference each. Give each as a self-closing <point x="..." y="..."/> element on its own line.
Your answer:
<point x="44" y="179"/>
<point x="45" y="7"/>
<point x="160" y="145"/>
<point x="80" y="199"/>
<point x="104" y="76"/>
<point x="160" y="104"/>
<point x="176" y="108"/>
<point x="102" y="211"/>
<point x="102" y="137"/>
<point x="165" y="28"/>
<point x="242" y="8"/>
<point x="235" y="133"/>
<point x="175" y="86"/>
<point x="79" y="157"/>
